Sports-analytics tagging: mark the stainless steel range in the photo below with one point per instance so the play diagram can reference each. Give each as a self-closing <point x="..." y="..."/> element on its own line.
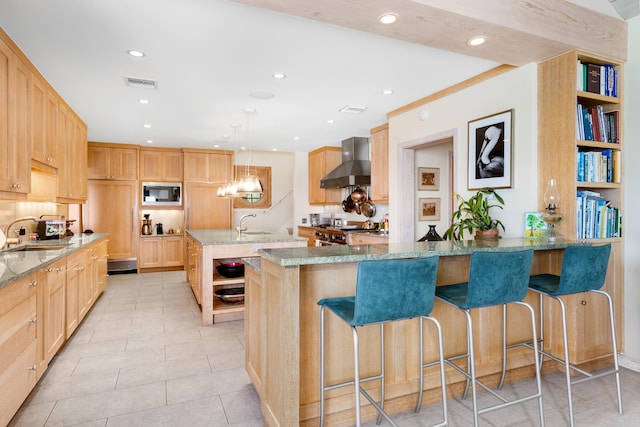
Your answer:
<point x="334" y="236"/>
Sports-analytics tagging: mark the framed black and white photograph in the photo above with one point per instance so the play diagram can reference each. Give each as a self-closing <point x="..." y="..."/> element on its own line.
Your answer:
<point x="429" y="209"/>
<point x="428" y="179"/>
<point x="490" y="148"/>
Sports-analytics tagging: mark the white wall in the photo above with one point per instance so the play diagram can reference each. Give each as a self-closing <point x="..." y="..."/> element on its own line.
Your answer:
<point x="631" y="176"/>
<point x="517" y="90"/>
<point x="436" y="156"/>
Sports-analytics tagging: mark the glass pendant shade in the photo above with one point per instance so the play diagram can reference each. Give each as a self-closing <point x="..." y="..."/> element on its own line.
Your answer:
<point x="250" y="184"/>
<point x="552" y="195"/>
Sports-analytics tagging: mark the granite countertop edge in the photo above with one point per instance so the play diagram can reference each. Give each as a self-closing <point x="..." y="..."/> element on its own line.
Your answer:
<point x="14" y="265"/>
<point x="288" y="257"/>
<point x="230" y="237"/>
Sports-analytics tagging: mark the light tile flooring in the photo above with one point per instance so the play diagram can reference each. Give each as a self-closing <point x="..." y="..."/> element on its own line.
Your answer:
<point x="141" y="358"/>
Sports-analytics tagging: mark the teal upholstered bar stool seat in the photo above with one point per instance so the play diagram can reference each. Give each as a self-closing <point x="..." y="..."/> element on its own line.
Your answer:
<point x="495" y="278"/>
<point x="584" y="269"/>
<point x="386" y="291"/>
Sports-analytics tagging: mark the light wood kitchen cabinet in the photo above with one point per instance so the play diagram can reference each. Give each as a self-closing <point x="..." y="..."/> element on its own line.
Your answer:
<point x="194" y="263"/>
<point x="214" y="166"/>
<point x="321" y="162"/>
<point x="161" y="252"/>
<point x="379" y="142"/>
<point x="254" y="326"/>
<point x="18" y="344"/>
<point x="112" y="208"/>
<point x="82" y="285"/>
<point x="15" y="168"/>
<point x="72" y="138"/>
<point x="43" y="122"/>
<point x="158" y="165"/>
<point x="307" y="233"/>
<point x="204" y="209"/>
<point x="112" y="161"/>
<point x="558" y="143"/>
<point x="53" y="280"/>
<point x="366" y="238"/>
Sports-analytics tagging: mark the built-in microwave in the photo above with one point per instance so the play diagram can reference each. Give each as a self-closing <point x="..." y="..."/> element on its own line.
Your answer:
<point x="161" y="194"/>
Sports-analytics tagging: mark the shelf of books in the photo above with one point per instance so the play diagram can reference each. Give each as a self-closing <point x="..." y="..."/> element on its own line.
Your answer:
<point x="583" y="149"/>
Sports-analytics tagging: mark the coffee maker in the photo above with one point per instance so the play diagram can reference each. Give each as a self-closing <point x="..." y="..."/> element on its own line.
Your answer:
<point x="146" y="225"/>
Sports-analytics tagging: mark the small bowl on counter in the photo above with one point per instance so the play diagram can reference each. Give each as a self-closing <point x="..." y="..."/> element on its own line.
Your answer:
<point x="231" y="270"/>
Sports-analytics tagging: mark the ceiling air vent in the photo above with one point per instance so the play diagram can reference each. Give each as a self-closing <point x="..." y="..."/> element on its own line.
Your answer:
<point x="352" y="109"/>
<point x="143" y="83"/>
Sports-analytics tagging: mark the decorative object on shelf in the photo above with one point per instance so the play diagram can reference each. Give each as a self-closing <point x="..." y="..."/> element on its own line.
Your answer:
<point x="429" y="209"/>
<point x="551" y="215"/>
<point x="428" y="179"/>
<point x="473" y="215"/>
<point x="490" y="143"/>
<point x="535" y="227"/>
<point x="431" y="236"/>
<point x="231" y="270"/>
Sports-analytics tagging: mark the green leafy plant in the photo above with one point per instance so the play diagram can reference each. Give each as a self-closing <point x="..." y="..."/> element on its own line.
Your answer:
<point x="473" y="214"/>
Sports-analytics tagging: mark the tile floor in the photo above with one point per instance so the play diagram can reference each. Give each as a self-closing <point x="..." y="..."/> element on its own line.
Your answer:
<point x="141" y="358"/>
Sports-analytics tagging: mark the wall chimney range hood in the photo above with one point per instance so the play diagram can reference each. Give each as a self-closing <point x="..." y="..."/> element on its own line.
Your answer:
<point x="355" y="168"/>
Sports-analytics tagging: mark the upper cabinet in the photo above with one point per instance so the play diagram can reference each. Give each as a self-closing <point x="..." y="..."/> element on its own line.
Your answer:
<point x="72" y="140"/>
<point x="214" y="166"/>
<point x="112" y="161"/>
<point x="379" y="141"/>
<point x="43" y="121"/>
<point x="157" y="164"/>
<point x="321" y="162"/>
<point x="15" y="168"/>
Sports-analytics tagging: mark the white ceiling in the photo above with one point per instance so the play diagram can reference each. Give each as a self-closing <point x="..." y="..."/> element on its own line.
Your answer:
<point x="208" y="56"/>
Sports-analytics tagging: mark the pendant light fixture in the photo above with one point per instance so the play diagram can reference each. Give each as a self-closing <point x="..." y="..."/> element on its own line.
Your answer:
<point x="249" y="183"/>
<point x="230" y="188"/>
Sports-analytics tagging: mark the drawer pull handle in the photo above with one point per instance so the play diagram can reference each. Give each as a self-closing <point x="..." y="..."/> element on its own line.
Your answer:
<point x="33" y="368"/>
<point x="34" y="284"/>
<point x="34" y="320"/>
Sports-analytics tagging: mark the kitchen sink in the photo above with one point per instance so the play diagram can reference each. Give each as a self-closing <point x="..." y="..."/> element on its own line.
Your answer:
<point x="29" y="248"/>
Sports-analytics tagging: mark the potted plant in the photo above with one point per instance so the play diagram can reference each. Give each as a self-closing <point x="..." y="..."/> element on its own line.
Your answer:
<point x="473" y="215"/>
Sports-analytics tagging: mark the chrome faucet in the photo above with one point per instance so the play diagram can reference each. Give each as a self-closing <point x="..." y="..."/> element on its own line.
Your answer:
<point x="15" y="240"/>
<point x="240" y="228"/>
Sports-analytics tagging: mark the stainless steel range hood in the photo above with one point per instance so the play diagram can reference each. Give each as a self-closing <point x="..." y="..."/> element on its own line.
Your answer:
<point x="355" y="168"/>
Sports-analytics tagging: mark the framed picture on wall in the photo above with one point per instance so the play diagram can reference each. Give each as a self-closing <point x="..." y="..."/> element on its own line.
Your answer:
<point x="429" y="179"/>
<point x="429" y="209"/>
<point x="490" y="151"/>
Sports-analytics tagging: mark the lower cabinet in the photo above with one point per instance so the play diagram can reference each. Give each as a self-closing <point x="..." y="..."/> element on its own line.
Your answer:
<point x="253" y="326"/>
<point x="18" y="344"/>
<point x="53" y="279"/>
<point x="194" y="261"/>
<point x="161" y="252"/>
<point x="308" y="233"/>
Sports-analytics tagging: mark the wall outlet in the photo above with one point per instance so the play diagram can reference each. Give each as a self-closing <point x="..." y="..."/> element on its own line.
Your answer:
<point x="304" y="220"/>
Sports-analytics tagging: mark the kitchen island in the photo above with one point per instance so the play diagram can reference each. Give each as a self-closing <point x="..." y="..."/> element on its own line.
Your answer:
<point x="285" y="365"/>
<point x="206" y="249"/>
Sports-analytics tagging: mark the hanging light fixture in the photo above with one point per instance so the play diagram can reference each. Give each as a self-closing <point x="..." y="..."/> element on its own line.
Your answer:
<point x="249" y="183"/>
<point x="230" y="188"/>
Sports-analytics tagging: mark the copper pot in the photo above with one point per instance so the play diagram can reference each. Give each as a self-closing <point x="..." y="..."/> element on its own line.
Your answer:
<point x="348" y="204"/>
<point x="358" y="195"/>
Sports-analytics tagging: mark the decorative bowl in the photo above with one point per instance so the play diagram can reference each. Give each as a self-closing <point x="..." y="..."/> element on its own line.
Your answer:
<point x="230" y="295"/>
<point x="231" y="270"/>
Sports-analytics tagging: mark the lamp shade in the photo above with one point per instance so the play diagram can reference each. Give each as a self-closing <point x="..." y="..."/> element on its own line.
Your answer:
<point x="250" y="184"/>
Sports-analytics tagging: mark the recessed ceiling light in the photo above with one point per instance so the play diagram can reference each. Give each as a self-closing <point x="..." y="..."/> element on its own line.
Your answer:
<point x="147" y="126"/>
<point x="296" y="138"/>
<point x="143" y="101"/>
<point x="149" y="141"/>
<point x="476" y="41"/>
<point x="387" y="92"/>
<point x="274" y="149"/>
<point x="279" y="75"/>
<point x="331" y="121"/>
<point x="388" y="18"/>
<point x="249" y="110"/>
<point x="136" y="53"/>
<point x="216" y="145"/>
<point x="261" y="95"/>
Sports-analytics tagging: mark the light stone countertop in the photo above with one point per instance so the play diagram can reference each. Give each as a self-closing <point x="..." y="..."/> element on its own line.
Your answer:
<point x="231" y="237"/>
<point x="15" y="264"/>
<point x="344" y="253"/>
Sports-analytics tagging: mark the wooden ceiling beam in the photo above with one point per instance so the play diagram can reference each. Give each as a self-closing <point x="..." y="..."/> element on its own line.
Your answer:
<point x="518" y="31"/>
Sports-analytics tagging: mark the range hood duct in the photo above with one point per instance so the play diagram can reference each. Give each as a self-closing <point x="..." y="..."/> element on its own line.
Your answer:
<point x="355" y="168"/>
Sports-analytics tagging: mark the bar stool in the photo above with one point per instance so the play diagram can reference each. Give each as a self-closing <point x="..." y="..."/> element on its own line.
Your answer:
<point x="584" y="269"/>
<point x="386" y="291"/>
<point x="495" y="278"/>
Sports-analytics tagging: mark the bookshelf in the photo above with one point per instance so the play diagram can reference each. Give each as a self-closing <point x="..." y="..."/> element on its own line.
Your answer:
<point x="561" y="143"/>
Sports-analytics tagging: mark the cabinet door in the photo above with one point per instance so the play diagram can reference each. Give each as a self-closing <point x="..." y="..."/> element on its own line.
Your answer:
<point x="72" y="299"/>
<point x="173" y="251"/>
<point x="202" y="166"/>
<point x="98" y="162"/>
<point x="309" y="234"/>
<point x="205" y="209"/>
<point x="53" y="279"/>
<point x="321" y="162"/>
<point x="15" y="169"/>
<point x="150" y="252"/>
<point x="161" y="165"/>
<point x="196" y="167"/>
<point x="380" y="164"/>
<point x="123" y="163"/>
<point x="112" y="208"/>
<point x="219" y="167"/>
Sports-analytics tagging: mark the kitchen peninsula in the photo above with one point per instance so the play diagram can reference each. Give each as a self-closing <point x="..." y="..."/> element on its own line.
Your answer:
<point x="284" y="361"/>
<point x="207" y="248"/>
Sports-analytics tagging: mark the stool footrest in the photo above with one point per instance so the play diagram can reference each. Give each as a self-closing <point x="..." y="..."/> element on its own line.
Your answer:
<point x="348" y="383"/>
